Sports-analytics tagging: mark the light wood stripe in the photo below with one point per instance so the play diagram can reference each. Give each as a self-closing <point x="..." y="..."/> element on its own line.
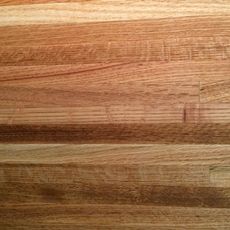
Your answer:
<point x="95" y="11"/>
<point x="197" y="49"/>
<point x="22" y="2"/>
<point x="156" y="40"/>
<point x="115" y="154"/>
<point x="220" y="175"/>
<point x="93" y="115"/>
<point x="25" y="2"/>
<point x="216" y="28"/>
<point x="189" y="113"/>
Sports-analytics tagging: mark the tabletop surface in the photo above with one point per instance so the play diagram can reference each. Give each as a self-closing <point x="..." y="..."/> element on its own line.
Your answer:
<point x="114" y="114"/>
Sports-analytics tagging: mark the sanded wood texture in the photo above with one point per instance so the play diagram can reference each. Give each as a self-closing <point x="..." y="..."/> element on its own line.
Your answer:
<point x="112" y="186"/>
<point x="114" y="114"/>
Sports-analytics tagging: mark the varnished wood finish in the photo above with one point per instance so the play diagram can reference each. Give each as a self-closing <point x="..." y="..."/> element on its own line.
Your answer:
<point x="117" y="133"/>
<point x="114" y="114"/>
<point x="162" y="74"/>
<point x="83" y="11"/>
<point x="114" y="186"/>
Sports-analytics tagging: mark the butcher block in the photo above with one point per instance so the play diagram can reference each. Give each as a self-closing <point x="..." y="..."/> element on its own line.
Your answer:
<point x="114" y="115"/>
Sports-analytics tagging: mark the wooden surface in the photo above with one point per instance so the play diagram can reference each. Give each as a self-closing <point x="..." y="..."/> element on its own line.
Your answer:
<point x="114" y="186"/>
<point x="115" y="114"/>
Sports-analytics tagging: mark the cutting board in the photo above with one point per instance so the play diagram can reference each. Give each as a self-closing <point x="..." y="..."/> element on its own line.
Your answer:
<point x="114" y="114"/>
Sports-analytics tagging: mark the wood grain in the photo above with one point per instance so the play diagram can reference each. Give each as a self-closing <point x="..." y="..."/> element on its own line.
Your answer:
<point x="156" y="40"/>
<point x="133" y="84"/>
<point x="212" y="27"/>
<point x="117" y="133"/>
<point x="189" y="113"/>
<point x="101" y="217"/>
<point x="114" y="114"/>
<point x="108" y="10"/>
<point x="110" y="181"/>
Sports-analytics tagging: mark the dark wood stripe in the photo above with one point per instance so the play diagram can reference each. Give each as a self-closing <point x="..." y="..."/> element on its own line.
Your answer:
<point x="59" y="216"/>
<point x="115" y="193"/>
<point x="119" y="133"/>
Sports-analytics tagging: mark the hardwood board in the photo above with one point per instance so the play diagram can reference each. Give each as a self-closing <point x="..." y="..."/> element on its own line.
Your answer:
<point x="61" y="86"/>
<point x="112" y="217"/>
<point x="116" y="174"/>
<point x="117" y="133"/>
<point x="138" y="51"/>
<point x="108" y="10"/>
<point x="96" y="115"/>
<point x="18" y="2"/>
<point x="114" y="186"/>
<point x="178" y="49"/>
<point x="120" y="84"/>
<point x="132" y="154"/>
<point x="213" y="28"/>
<point x="189" y="113"/>
<point x="133" y="193"/>
<point x="156" y="40"/>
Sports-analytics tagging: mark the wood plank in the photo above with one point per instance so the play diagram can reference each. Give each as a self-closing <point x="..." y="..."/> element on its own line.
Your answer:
<point x="147" y="185"/>
<point x="44" y="87"/>
<point x="64" y="86"/>
<point x="117" y="133"/>
<point x="112" y="217"/>
<point x="131" y="85"/>
<point x="189" y="113"/>
<point x="167" y="175"/>
<point x="107" y="10"/>
<point x="132" y="154"/>
<point x="157" y="41"/>
<point x="216" y="28"/>
<point x="22" y="2"/>
<point x="196" y="49"/>
<point x="120" y="193"/>
<point x="124" y="83"/>
<point x="96" y="115"/>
